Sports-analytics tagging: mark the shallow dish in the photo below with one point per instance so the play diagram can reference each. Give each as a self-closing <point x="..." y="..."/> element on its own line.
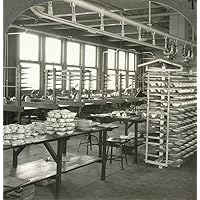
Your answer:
<point x="61" y="133"/>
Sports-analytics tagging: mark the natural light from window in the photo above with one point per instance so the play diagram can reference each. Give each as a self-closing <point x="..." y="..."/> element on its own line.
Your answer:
<point x="92" y="85"/>
<point x="123" y="79"/>
<point x="131" y="62"/>
<point x="131" y="79"/>
<point x="29" y="47"/>
<point x="53" y="50"/>
<point x="111" y="79"/>
<point x="73" y="53"/>
<point x="111" y="59"/>
<point x="58" y="76"/>
<point x="90" y="56"/>
<point x="30" y="76"/>
<point x="121" y="60"/>
<point x="73" y="78"/>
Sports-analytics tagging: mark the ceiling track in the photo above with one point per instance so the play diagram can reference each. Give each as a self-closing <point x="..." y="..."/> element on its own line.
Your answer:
<point x="121" y="18"/>
<point x="39" y="11"/>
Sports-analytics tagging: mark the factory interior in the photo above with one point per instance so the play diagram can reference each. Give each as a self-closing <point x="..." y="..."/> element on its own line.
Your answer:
<point x="99" y="100"/>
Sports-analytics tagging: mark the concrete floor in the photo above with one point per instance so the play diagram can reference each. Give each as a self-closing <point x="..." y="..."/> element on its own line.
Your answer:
<point x="135" y="182"/>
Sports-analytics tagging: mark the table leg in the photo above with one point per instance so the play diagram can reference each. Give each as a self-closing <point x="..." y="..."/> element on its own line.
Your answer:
<point x="14" y="159"/>
<point x="135" y="142"/>
<point x="121" y="156"/>
<point x="100" y="144"/>
<point x="103" y="169"/>
<point x="126" y="127"/>
<point x="79" y="111"/>
<point x="19" y="117"/>
<point x="16" y="152"/>
<point x="29" y="117"/>
<point x="59" y="168"/>
<point x="64" y="147"/>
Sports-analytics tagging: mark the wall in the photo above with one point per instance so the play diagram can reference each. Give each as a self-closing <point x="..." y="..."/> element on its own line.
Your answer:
<point x="13" y="57"/>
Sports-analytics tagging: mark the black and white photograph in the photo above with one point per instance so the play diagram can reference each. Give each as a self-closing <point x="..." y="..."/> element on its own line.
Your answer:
<point x="99" y="100"/>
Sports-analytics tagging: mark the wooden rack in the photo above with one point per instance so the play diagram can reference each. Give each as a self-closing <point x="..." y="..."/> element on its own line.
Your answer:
<point x="171" y="117"/>
<point x="8" y="105"/>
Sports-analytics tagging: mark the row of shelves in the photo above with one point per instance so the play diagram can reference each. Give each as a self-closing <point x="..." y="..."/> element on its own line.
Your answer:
<point x="171" y="116"/>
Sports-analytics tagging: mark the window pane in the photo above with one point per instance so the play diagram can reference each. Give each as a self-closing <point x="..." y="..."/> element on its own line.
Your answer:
<point x="131" y="79"/>
<point x="73" y="77"/>
<point x="121" y="60"/>
<point x="28" y="80"/>
<point x="123" y="79"/>
<point x="93" y="85"/>
<point x="58" y="76"/>
<point x="131" y="62"/>
<point x="73" y="53"/>
<point x="111" y="79"/>
<point x="53" y="50"/>
<point x="111" y="59"/>
<point x="29" y="47"/>
<point x="90" y="56"/>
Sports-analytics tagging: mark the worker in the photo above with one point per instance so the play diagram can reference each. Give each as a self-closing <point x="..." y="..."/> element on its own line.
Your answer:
<point x="85" y="94"/>
<point x="73" y="94"/>
<point x="116" y="92"/>
<point x="50" y="94"/>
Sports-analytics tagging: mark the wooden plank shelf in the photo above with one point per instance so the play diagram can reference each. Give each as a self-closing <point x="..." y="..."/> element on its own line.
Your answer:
<point x="42" y="169"/>
<point x="43" y="104"/>
<point x="94" y="101"/>
<point x="69" y="103"/>
<point x="114" y="100"/>
<point x="12" y="108"/>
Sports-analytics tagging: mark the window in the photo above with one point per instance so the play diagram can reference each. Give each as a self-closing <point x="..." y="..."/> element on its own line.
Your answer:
<point x="53" y="50"/>
<point x="93" y="85"/>
<point x="131" y="79"/>
<point x="122" y="60"/>
<point x="29" y="47"/>
<point x="58" y="76"/>
<point x="73" y="78"/>
<point x="123" y="79"/>
<point x="111" y="79"/>
<point x="131" y="62"/>
<point x="30" y="76"/>
<point x="90" y="56"/>
<point x="73" y="53"/>
<point x="111" y="59"/>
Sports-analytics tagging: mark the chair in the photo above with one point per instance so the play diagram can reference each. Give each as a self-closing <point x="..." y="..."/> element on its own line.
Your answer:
<point x="87" y="141"/>
<point x="117" y="143"/>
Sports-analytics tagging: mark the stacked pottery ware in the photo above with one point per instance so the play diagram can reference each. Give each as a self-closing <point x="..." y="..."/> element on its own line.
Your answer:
<point x="60" y="122"/>
<point x="16" y="134"/>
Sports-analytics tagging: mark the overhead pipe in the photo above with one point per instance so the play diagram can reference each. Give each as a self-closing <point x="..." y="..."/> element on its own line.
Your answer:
<point x="149" y="24"/>
<point x="38" y="10"/>
<point x="89" y="6"/>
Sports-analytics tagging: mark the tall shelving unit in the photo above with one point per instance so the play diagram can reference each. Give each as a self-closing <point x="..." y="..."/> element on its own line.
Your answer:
<point x="8" y="105"/>
<point x="171" y="116"/>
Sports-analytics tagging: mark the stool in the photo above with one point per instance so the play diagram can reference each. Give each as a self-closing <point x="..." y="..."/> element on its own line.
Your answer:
<point x="87" y="139"/>
<point x="118" y="143"/>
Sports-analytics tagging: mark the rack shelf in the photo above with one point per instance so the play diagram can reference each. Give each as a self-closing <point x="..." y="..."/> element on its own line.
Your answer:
<point x="174" y="117"/>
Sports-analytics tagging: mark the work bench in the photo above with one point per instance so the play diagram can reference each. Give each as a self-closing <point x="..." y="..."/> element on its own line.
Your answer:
<point x="42" y="169"/>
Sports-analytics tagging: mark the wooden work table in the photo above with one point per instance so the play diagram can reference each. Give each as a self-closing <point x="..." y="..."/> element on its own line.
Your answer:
<point x="128" y="121"/>
<point x="36" y="171"/>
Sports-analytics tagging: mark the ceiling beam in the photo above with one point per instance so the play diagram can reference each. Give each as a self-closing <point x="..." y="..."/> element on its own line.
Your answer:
<point x="106" y="19"/>
<point x="114" y="11"/>
<point x="118" y="24"/>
